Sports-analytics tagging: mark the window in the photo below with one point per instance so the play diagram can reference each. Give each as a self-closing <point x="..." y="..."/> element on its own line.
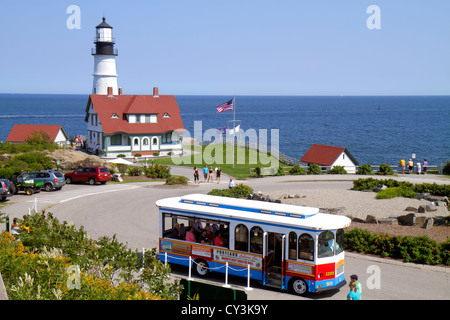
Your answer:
<point x="292" y="245"/>
<point x="241" y="238"/>
<point x="306" y="247"/>
<point x="145" y="142"/>
<point x="339" y="241"/>
<point x="325" y="244"/>
<point x="138" y="118"/>
<point x="256" y="240"/>
<point x="116" y="140"/>
<point x="136" y="142"/>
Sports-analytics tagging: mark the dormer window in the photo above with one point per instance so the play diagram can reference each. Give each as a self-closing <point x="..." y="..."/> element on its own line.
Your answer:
<point x="166" y="115"/>
<point x="114" y="116"/>
<point x="142" y="118"/>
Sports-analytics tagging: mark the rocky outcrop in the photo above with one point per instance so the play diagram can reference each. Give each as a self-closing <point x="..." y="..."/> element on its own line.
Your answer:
<point x="71" y="159"/>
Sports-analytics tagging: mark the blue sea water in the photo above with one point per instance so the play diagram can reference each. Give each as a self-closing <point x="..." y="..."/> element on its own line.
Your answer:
<point x="401" y="126"/>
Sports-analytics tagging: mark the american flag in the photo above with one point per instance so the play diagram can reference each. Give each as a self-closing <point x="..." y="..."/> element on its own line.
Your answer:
<point x="225" y="106"/>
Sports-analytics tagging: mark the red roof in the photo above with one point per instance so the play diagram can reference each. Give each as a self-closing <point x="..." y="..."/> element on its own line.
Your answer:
<point x="112" y="113"/>
<point x="324" y="155"/>
<point x="22" y="131"/>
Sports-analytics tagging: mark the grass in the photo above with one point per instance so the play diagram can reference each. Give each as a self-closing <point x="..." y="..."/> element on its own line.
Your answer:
<point x="218" y="155"/>
<point x="395" y="192"/>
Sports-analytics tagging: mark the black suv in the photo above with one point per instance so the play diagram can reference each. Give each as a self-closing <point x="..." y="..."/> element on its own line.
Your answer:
<point x="53" y="180"/>
<point x="6" y="189"/>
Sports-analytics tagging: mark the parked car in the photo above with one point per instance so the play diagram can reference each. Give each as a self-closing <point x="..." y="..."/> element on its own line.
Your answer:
<point x="6" y="189"/>
<point x="53" y="180"/>
<point x="22" y="182"/>
<point x="89" y="174"/>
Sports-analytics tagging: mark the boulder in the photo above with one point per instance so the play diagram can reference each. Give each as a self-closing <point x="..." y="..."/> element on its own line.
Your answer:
<point x="411" y="209"/>
<point x="428" y="223"/>
<point x="422" y="208"/>
<point x="406" y="220"/>
<point x="420" y="221"/>
<point x="371" y="219"/>
<point x="430" y="207"/>
<point x="388" y="221"/>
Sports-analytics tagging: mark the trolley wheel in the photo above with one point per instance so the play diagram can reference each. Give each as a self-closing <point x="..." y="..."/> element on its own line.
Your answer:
<point x="298" y="286"/>
<point x="201" y="268"/>
<point x="29" y="191"/>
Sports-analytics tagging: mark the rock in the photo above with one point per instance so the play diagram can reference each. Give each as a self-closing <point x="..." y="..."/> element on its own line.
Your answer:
<point x="420" y="221"/>
<point x="430" y="207"/>
<point x="359" y="220"/>
<point x="71" y="159"/>
<point x="422" y="208"/>
<point x="445" y="200"/>
<point x="371" y="219"/>
<point x="411" y="209"/>
<point x="389" y="221"/>
<point x="407" y="220"/>
<point x="428" y="223"/>
<point x="379" y="188"/>
<point x="424" y="195"/>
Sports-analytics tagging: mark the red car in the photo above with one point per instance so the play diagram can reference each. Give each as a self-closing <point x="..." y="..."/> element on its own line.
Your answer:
<point x="89" y="174"/>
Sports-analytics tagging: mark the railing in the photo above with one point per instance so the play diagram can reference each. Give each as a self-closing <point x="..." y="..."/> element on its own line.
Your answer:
<point x="375" y="169"/>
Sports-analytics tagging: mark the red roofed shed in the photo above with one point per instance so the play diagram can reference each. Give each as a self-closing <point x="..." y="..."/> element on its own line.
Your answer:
<point x="20" y="132"/>
<point x="330" y="156"/>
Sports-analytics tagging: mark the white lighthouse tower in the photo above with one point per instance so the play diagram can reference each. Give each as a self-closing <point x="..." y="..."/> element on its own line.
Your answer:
<point x="105" y="75"/>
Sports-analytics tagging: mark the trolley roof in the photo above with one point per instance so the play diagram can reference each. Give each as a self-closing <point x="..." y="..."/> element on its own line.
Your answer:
<point x="258" y="211"/>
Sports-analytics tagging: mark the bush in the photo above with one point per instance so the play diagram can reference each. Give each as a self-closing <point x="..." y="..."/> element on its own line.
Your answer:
<point x="173" y="180"/>
<point x="238" y="191"/>
<point x="419" y="249"/>
<point x="297" y="170"/>
<point x="434" y="188"/>
<point x="385" y="169"/>
<point x="157" y="171"/>
<point x="314" y="169"/>
<point x="135" y="171"/>
<point x="36" y="266"/>
<point x="396" y="192"/>
<point x="337" y="170"/>
<point x="30" y="161"/>
<point x="365" y="169"/>
<point x="446" y="169"/>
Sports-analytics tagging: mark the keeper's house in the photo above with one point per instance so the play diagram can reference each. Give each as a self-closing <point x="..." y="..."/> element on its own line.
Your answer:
<point x="134" y="124"/>
<point x="21" y="132"/>
<point x="330" y="156"/>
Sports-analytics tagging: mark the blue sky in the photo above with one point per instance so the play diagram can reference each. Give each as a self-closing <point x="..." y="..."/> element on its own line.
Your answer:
<point x="233" y="47"/>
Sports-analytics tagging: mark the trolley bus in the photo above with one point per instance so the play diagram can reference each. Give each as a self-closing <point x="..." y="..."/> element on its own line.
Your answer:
<point x="289" y="247"/>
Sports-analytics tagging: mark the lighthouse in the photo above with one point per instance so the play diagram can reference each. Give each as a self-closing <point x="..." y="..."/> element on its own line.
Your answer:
<point x="105" y="75"/>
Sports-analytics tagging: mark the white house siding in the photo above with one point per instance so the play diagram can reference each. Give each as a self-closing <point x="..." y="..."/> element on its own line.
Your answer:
<point x="345" y="161"/>
<point x="61" y="139"/>
<point x="94" y="130"/>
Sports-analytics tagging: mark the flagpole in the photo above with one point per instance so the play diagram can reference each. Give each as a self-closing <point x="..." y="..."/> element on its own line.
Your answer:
<point x="234" y="123"/>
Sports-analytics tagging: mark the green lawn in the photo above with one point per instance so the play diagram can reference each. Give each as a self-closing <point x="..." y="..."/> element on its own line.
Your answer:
<point x="218" y="155"/>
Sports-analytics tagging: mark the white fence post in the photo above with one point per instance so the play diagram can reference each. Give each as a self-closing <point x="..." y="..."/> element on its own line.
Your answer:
<point x="226" y="285"/>
<point x="248" y="288"/>
<point x="190" y="266"/>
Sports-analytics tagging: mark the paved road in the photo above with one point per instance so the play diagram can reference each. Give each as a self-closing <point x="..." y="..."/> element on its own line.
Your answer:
<point x="129" y="211"/>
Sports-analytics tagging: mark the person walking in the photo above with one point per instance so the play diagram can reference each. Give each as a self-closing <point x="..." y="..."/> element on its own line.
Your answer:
<point x="354" y="294"/>
<point x="231" y="183"/>
<point x="419" y="167"/>
<point x="196" y="176"/>
<point x="218" y="173"/>
<point x="425" y="166"/>
<point x="402" y="165"/>
<point x="354" y="279"/>
<point x="205" y="172"/>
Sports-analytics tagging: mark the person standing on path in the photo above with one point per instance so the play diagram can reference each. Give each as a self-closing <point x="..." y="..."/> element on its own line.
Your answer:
<point x="410" y="166"/>
<point x="402" y="165"/>
<point x="205" y="172"/>
<point x="425" y="166"/>
<point x="196" y="176"/>
<point x="419" y="167"/>
<point x="354" y="279"/>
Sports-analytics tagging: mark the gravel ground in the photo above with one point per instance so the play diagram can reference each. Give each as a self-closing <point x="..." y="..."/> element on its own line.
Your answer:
<point x="359" y="204"/>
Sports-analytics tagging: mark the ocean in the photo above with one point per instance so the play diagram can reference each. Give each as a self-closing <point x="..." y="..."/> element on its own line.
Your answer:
<point x="375" y="129"/>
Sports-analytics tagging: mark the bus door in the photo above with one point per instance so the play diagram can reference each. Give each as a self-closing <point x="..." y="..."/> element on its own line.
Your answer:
<point x="273" y="258"/>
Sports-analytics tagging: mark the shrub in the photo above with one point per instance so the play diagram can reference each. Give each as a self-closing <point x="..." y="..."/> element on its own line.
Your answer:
<point x="157" y="171"/>
<point x="135" y="171"/>
<point x="337" y="170"/>
<point x="396" y="192"/>
<point x="446" y="169"/>
<point x="172" y="180"/>
<point x="314" y="169"/>
<point x="365" y="169"/>
<point x="419" y="249"/>
<point x="385" y="169"/>
<point x="36" y="266"/>
<point x="296" y="170"/>
<point x="121" y="155"/>
<point x="238" y="191"/>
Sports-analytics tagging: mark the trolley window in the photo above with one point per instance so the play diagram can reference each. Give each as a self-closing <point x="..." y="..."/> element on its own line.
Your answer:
<point x="325" y="244"/>
<point x="241" y="238"/>
<point x="292" y="245"/>
<point x="306" y="247"/>
<point x="339" y="241"/>
<point x="256" y="240"/>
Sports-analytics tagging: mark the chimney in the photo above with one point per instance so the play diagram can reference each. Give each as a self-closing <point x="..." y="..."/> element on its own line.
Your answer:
<point x="155" y="92"/>
<point x="110" y="91"/>
<point x="120" y="91"/>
